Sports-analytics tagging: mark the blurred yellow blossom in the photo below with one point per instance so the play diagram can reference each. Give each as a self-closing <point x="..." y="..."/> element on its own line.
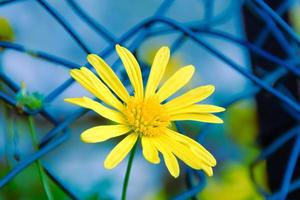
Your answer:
<point x="234" y="184"/>
<point x="6" y="31"/>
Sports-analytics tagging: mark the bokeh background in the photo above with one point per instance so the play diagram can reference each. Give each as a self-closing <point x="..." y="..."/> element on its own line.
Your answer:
<point x="248" y="49"/>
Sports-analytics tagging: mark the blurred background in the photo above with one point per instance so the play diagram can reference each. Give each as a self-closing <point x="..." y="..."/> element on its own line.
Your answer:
<point x="248" y="49"/>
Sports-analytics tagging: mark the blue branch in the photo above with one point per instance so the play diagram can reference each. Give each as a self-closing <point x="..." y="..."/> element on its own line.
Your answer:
<point x="64" y="24"/>
<point x="101" y="30"/>
<point x="279" y="20"/>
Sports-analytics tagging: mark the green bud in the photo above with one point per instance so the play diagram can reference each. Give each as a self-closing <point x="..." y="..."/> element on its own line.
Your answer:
<point x="33" y="101"/>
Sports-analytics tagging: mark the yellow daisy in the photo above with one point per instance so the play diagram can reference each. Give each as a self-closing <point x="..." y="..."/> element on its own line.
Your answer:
<point x="145" y="115"/>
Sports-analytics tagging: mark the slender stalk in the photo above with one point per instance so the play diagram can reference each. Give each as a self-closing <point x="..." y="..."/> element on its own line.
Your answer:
<point x="129" y="165"/>
<point x="42" y="175"/>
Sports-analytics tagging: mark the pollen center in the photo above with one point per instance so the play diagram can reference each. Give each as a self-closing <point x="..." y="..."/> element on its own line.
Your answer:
<point x="146" y="117"/>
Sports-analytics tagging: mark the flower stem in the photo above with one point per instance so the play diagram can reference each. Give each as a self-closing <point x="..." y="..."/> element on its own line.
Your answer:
<point x="42" y="175"/>
<point x="129" y="165"/>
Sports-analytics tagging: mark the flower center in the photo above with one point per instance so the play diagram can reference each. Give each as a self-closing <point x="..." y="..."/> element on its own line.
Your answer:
<point x="146" y="117"/>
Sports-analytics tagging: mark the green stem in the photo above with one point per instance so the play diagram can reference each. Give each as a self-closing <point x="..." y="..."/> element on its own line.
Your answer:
<point x="129" y="165"/>
<point x="42" y="175"/>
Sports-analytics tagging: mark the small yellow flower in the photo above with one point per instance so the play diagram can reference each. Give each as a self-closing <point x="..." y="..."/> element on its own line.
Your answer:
<point x="145" y="115"/>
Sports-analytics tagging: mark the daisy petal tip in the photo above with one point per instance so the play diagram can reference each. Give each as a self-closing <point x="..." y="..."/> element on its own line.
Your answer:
<point x="85" y="139"/>
<point x="175" y="175"/>
<point x="157" y="161"/>
<point x="72" y="72"/>
<point x="108" y="165"/>
<point x="152" y="161"/>
<point x="192" y="68"/>
<point x="214" y="164"/>
<point x="211" y="87"/>
<point x="222" y="109"/>
<point x="210" y="175"/>
<point x="212" y="160"/>
<point x="220" y="121"/>
<point x="91" y="57"/>
<point x="68" y="100"/>
<point x="118" y="47"/>
<point x="189" y="68"/>
<point x="208" y="171"/>
<point x="165" y="49"/>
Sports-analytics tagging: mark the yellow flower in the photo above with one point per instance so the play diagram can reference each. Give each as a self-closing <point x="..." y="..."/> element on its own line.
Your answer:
<point x="145" y="115"/>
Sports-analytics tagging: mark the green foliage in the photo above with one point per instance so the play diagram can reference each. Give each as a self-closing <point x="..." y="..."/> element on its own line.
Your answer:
<point x="241" y="122"/>
<point x="27" y="185"/>
<point x="294" y="15"/>
<point x="233" y="184"/>
<point x="232" y="179"/>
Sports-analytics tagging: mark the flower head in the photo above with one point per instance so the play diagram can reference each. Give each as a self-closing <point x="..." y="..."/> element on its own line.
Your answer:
<point x="145" y="114"/>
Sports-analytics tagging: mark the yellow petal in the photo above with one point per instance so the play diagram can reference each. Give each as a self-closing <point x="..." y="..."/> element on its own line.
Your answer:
<point x="208" y="170"/>
<point x="209" y="118"/>
<point x="191" y="97"/>
<point x="195" y="146"/>
<point x="120" y="151"/>
<point x="198" y="108"/>
<point x="149" y="150"/>
<point x="94" y="85"/>
<point x="157" y="70"/>
<point x="103" y="92"/>
<point x="108" y="76"/>
<point x="170" y="160"/>
<point x="103" y="133"/>
<point x="184" y="153"/>
<point x="133" y="70"/>
<point x="176" y="82"/>
<point x="98" y="108"/>
<point x="188" y="156"/>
